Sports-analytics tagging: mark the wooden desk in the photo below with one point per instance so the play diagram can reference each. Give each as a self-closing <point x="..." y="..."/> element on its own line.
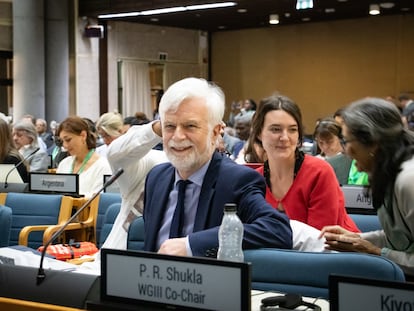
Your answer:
<point x="11" y="304"/>
<point x="256" y="299"/>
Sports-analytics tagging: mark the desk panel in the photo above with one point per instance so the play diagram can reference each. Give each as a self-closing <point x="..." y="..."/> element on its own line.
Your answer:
<point x="10" y="304"/>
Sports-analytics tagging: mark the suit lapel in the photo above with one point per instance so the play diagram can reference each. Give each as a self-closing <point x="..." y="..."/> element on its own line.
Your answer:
<point x="207" y="193"/>
<point x="159" y="201"/>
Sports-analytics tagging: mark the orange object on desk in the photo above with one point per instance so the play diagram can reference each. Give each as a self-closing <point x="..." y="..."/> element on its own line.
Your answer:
<point x="71" y="250"/>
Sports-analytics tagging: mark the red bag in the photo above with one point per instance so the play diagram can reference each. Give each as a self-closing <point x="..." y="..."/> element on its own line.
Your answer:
<point x="71" y="250"/>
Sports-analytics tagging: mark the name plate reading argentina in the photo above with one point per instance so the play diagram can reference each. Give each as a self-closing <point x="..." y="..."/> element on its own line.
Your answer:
<point x="375" y="294"/>
<point x="173" y="281"/>
<point x="355" y="197"/>
<point x="46" y="182"/>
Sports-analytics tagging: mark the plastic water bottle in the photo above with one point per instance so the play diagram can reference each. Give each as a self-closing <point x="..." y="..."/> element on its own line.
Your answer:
<point x="230" y="235"/>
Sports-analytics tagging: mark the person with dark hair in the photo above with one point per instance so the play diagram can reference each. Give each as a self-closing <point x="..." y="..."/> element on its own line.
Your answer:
<point x="139" y="118"/>
<point x="407" y="105"/>
<point x="328" y="136"/>
<point x="57" y="152"/>
<point x="254" y="152"/>
<point x="338" y="116"/>
<point x="8" y="152"/>
<point x="80" y="142"/>
<point x="246" y="109"/>
<point x="300" y="185"/>
<point x="155" y="114"/>
<point x="375" y="137"/>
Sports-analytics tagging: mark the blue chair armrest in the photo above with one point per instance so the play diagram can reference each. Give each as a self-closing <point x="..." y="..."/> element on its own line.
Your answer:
<point x="5" y="225"/>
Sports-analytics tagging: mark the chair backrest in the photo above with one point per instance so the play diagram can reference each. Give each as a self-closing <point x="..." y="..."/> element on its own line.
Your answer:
<point x="5" y="225"/>
<point x="98" y="209"/>
<point x="136" y="234"/>
<point x="108" y="222"/>
<point x="307" y="273"/>
<point x="29" y="209"/>
<point x="366" y="222"/>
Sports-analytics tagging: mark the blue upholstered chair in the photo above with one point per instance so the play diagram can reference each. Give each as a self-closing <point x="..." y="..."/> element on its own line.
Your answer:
<point x="5" y="225"/>
<point x="367" y="222"/>
<point x="35" y="217"/>
<point x="307" y="273"/>
<point x="108" y="222"/>
<point x="106" y="199"/>
<point x="136" y="234"/>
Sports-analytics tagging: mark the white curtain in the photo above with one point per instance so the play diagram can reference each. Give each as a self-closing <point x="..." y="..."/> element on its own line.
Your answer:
<point x="175" y="72"/>
<point x="136" y="88"/>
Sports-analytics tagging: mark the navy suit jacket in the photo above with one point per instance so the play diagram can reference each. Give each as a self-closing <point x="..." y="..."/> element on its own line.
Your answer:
<point x="225" y="182"/>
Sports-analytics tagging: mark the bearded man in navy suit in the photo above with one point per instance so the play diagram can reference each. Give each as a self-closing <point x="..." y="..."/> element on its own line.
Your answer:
<point x="191" y="113"/>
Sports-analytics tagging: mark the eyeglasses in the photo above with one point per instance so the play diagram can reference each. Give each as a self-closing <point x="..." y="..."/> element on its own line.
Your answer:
<point x="345" y="141"/>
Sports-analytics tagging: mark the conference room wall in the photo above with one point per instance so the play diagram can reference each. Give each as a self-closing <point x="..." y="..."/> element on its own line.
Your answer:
<point x="322" y="66"/>
<point x="132" y="42"/>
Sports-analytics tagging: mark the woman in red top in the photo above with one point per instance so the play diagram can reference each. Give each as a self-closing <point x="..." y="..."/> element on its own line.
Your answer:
<point x="303" y="186"/>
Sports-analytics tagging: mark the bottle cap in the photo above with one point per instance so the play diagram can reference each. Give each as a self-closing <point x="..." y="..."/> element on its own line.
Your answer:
<point x="230" y="207"/>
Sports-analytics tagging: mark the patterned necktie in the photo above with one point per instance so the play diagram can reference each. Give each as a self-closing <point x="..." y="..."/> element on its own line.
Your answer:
<point x="177" y="223"/>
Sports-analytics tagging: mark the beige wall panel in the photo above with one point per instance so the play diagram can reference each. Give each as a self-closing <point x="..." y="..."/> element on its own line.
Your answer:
<point x="322" y="66"/>
<point x="6" y="38"/>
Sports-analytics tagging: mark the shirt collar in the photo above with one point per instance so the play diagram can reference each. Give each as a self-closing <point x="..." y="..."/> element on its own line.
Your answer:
<point x="197" y="177"/>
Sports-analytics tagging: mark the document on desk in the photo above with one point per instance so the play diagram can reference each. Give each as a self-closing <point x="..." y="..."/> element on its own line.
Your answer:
<point x="19" y="257"/>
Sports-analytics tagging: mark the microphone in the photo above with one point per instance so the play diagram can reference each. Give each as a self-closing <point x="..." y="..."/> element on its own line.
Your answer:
<point x="18" y="164"/>
<point x="41" y="273"/>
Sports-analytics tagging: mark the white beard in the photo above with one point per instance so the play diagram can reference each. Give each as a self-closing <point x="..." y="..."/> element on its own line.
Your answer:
<point x="193" y="160"/>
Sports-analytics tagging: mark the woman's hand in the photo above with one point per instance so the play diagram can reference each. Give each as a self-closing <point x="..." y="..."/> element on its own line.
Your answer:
<point x="339" y="239"/>
<point x="335" y="230"/>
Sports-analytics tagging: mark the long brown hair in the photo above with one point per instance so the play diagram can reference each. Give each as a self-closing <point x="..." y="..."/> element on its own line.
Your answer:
<point x="275" y="102"/>
<point x="7" y="146"/>
<point x="76" y="125"/>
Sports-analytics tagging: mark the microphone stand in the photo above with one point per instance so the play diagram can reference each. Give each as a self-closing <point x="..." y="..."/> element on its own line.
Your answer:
<point x="41" y="272"/>
<point x="18" y="164"/>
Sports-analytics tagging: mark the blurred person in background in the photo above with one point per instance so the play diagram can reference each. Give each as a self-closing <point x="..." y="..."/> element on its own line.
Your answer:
<point x="80" y="142"/>
<point x="109" y="127"/>
<point x="8" y="152"/>
<point x="26" y="141"/>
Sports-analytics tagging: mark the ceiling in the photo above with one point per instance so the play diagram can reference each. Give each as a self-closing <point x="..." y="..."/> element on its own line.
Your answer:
<point x="246" y="14"/>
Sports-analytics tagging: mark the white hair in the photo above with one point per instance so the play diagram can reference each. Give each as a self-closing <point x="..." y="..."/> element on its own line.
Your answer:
<point x="186" y="88"/>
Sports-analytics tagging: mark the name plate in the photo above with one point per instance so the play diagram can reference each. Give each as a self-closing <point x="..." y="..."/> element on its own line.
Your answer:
<point x="355" y="197"/>
<point x="374" y="294"/>
<point x="173" y="281"/>
<point x="47" y="182"/>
